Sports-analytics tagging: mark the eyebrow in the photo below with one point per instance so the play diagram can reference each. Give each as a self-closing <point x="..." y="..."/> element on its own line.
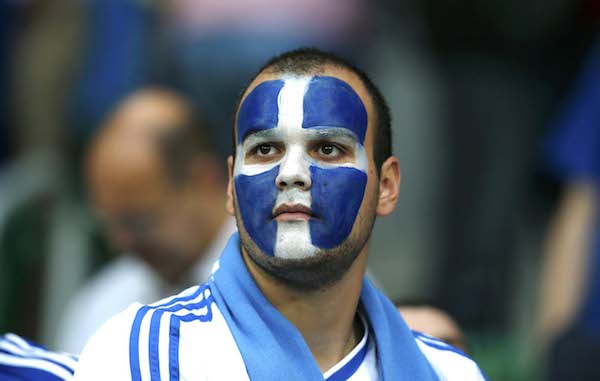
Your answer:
<point x="268" y="134"/>
<point x="313" y="133"/>
<point x="325" y="132"/>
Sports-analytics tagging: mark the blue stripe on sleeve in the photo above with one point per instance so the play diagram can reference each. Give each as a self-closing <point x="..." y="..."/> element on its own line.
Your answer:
<point x="438" y="344"/>
<point x="134" y="338"/>
<point x="10" y="373"/>
<point x="153" y="343"/>
<point x="174" y="348"/>
<point x="42" y="359"/>
<point x="19" y="348"/>
<point x="24" y="360"/>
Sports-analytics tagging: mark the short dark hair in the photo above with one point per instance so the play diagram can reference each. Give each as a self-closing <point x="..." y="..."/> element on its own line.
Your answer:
<point x="179" y="146"/>
<point x="306" y="61"/>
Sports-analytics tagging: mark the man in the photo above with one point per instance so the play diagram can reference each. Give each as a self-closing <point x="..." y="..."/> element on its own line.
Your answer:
<point x="156" y="183"/>
<point x="21" y="360"/>
<point x="568" y="320"/>
<point x="288" y="299"/>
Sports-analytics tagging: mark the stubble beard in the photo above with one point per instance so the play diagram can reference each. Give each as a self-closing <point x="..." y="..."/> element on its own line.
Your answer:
<point x="321" y="269"/>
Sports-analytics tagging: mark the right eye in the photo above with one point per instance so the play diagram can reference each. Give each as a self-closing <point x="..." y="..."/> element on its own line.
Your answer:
<point x="265" y="150"/>
<point x="263" y="153"/>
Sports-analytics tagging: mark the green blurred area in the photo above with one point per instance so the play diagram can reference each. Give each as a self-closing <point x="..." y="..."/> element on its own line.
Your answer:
<point x="23" y="250"/>
<point x="504" y="357"/>
<point x="24" y="255"/>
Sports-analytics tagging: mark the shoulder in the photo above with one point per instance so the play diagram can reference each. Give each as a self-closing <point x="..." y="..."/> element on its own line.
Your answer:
<point x="22" y="359"/>
<point x="109" y="345"/>
<point x="447" y="361"/>
<point x="125" y="271"/>
<point x="113" y="289"/>
<point x="124" y="280"/>
<point x="130" y="339"/>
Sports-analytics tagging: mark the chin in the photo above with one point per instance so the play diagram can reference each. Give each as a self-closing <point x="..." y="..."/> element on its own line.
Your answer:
<point x="293" y="241"/>
<point x="298" y="262"/>
<point x="304" y="271"/>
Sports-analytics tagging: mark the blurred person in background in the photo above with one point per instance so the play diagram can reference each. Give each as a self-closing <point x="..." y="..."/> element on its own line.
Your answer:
<point x="40" y="45"/>
<point x="155" y="182"/>
<point x="76" y="60"/>
<point x="502" y="64"/>
<point x="22" y="360"/>
<point x="569" y="311"/>
<point x="426" y="318"/>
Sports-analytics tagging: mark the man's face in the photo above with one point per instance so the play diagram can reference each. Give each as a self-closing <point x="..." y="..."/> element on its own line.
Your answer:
<point x="144" y="213"/>
<point x="301" y="175"/>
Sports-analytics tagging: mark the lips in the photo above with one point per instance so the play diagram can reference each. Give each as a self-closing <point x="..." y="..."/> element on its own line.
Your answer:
<point x="292" y="212"/>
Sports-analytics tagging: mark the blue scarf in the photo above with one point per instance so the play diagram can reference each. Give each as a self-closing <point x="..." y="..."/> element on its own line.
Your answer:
<point x="272" y="347"/>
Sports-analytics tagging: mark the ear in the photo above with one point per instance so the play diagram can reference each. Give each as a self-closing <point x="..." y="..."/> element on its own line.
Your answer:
<point x="229" y="203"/>
<point x="389" y="186"/>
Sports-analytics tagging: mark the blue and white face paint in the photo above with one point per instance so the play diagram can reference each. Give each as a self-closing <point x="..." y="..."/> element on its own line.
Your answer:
<point x="282" y="128"/>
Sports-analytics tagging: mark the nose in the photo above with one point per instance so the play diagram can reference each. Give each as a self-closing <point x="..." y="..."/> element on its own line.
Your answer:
<point x="294" y="171"/>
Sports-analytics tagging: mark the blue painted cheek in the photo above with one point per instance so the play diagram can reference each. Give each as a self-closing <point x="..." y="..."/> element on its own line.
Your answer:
<point x="336" y="198"/>
<point x="256" y="196"/>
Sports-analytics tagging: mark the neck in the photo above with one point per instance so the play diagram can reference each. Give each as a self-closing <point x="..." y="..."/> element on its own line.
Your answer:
<point x="181" y="272"/>
<point x="326" y="318"/>
<point x="207" y="218"/>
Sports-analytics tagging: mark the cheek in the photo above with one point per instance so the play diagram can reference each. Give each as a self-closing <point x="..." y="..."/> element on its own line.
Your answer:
<point x="172" y="232"/>
<point x="256" y="197"/>
<point x="337" y="195"/>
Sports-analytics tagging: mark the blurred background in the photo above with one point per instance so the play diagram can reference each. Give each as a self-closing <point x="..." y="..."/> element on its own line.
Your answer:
<point x="496" y="121"/>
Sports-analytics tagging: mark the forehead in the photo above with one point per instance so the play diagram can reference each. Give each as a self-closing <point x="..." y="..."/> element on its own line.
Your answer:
<point x="317" y="101"/>
<point x="124" y="171"/>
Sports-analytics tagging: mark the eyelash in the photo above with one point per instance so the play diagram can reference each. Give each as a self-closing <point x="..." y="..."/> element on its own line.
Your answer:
<point x="319" y="145"/>
<point x="316" y="147"/>
<point x="255" y="150"/>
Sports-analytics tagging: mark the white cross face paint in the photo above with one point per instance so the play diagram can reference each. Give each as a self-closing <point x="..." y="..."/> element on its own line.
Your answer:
<point x="276" y="166"/>
<point x="293" y="235"/>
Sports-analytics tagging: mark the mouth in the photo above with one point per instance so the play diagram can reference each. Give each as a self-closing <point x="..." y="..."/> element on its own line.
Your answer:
<point x="292" y="212"/>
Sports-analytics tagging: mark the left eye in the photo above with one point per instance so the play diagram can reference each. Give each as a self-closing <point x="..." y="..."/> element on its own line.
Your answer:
<point x="265" y="150"/>
<point x="329" y="150"/>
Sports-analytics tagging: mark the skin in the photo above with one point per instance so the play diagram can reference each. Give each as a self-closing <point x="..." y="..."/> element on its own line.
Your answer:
<point x="564" y="272"/>
<point x="145" y="212"/>
<point x="433" y="322"/>
<point x="322" y="168"/>
<point x="326" y="317"/>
